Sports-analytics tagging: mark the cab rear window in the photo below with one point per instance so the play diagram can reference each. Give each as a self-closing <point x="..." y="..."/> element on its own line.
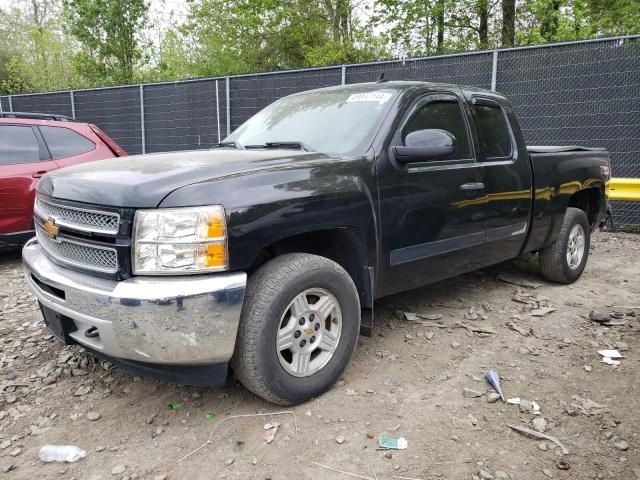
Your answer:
<point x="494" y="136"/>
<point x="63" y="142"/>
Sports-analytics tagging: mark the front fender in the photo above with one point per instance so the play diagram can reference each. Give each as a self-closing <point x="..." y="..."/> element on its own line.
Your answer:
<point x="266" y="206"/>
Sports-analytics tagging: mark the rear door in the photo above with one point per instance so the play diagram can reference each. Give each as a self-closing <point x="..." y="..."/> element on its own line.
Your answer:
<point x="508" y="179"/>
<point x="23" y="160"/>
<point x="431" y="226"/>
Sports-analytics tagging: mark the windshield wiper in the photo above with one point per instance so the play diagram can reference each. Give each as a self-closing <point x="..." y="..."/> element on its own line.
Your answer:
<point x="237" y="145"/>
<point x="299" y="145"/>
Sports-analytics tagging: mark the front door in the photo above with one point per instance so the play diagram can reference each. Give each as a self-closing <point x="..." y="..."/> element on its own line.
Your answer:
<point x="431" y="226"/>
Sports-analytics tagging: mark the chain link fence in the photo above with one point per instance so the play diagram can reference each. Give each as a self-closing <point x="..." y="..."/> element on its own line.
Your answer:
<point x="585" y="93"/>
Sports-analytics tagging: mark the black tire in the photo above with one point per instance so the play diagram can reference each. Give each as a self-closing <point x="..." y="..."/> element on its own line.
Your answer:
<point x="553" y="259"/>
<point x="269" y="292"/>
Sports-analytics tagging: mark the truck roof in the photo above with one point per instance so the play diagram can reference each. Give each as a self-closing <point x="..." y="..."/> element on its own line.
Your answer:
<point x="406" y="85"/>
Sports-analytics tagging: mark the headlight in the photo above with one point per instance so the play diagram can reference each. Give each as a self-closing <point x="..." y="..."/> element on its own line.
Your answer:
<point x="179" y="240"/>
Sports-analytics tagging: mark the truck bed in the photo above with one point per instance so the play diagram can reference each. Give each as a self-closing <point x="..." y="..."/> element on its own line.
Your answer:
<point x="558" y="173"/>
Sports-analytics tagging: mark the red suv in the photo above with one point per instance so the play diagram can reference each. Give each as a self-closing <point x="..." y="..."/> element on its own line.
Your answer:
<point x="32" y="144"/>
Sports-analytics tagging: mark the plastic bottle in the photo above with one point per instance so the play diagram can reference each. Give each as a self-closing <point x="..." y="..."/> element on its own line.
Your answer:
<point x="61" y="453"/>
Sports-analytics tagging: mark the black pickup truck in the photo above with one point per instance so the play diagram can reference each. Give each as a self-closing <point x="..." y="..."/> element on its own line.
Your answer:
<point x="267" y="252"/>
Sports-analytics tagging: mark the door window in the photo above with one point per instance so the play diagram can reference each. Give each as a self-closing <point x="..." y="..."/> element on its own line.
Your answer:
<point x="494" y="136"/>
<point x="63" y="142"/>
<point x="18" y="144"/>
<point x="445" y="115"/>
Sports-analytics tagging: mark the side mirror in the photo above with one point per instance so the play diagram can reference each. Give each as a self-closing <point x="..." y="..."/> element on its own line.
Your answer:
<point x="424" y="145"/>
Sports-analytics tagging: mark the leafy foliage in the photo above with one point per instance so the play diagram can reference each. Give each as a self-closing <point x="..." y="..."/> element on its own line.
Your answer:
<point x="108" y="30"/>
<point x="58" y="44"/>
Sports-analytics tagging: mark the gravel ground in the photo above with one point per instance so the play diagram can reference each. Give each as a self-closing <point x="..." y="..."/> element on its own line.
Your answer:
<point x="407" y="381"/>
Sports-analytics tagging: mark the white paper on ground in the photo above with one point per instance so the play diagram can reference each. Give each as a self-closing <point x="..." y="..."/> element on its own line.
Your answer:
<point x="609" y="361"/>
<point x="610" y="353"/>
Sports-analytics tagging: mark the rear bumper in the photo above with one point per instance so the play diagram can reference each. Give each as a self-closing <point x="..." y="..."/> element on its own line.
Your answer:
<point x="144" y="321"/>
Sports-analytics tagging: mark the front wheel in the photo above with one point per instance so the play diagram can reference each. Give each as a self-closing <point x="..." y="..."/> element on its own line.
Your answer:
<point x="564" y="260"/>
<point x="299" y="327"/>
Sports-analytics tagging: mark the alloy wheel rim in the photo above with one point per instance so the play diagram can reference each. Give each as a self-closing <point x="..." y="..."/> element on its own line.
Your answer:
<point x="309" y="332"/>
<point x="575" y="247"/>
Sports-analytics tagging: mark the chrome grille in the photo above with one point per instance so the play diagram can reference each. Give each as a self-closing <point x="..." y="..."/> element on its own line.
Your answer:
<point x="82" y="219"/>
<point x="71" y="252"/>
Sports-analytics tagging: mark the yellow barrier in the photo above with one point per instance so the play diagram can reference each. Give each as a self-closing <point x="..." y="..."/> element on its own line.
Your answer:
<point x="626" y="189"/>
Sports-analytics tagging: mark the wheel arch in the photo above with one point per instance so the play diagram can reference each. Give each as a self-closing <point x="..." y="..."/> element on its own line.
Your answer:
<point x="344" y="245"/>
<point x="588" y="200"/>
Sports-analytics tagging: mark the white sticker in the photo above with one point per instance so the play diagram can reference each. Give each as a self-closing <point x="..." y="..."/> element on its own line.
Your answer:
<point x="380" y="97"/>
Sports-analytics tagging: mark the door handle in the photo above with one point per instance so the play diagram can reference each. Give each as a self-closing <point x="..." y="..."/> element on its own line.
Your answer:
<point x="38" y="174"/>
<point x="467" y="187"/>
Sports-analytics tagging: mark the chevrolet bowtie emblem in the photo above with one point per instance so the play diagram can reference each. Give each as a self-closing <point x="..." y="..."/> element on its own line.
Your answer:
<point x="308" y="331"/>
<point x="51" y="228"/>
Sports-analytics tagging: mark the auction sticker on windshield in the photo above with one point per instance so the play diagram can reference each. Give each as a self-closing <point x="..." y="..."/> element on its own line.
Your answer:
<point x="380" y="97"/>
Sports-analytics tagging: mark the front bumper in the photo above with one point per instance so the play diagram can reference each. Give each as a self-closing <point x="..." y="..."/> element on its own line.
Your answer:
<point x="176" y="321"/>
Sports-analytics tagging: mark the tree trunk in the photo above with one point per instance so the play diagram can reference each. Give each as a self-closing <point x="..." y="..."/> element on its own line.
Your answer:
<point x="483" y="26"/>
<point x="340" y="19"/>
<point x="508" y="23"/>
<point x="440" y="25"/>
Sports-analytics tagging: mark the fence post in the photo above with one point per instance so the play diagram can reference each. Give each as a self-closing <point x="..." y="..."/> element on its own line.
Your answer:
<point x="0" y="104"/>
<point x="73" y="104"/>
<point x="218" y="111"/>
<point x="10" y="104"/>
<point x="144" y="142"/>
<point x="344" y="74"/>
<point x="228" y="107"/>
<point x="494" y="70"/>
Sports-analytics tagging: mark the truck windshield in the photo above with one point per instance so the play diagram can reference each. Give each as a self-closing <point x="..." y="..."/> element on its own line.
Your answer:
<point x="337" y="123"/>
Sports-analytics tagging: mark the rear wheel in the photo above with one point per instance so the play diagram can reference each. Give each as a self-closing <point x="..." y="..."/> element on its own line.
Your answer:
<point x="299" y="327"/>
<point x="565" y="259"/>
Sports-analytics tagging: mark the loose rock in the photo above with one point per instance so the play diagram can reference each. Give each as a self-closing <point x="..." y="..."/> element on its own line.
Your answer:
<point x="539" y="425"/>
<point x="471" y="393"/>
<point x="117" y="470"/>
<point x="485" y="475"/>
<point x="621" y="445"/>
<point x="93" y="416"/>
<point x="83" y="390"/>
<point x="526" y="406"/>
<point x="493" y="397"/>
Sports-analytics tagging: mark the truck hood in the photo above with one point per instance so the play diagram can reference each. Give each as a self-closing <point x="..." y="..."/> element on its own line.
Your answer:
<point x="142" y="181"/>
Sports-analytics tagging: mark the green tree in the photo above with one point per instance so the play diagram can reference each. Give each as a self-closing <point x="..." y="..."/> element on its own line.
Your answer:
<point x="232" y="36"/>
<point x="542" y="21"/>
<point x="173" y="58"/>
<point x="35" y="54"/>
<point x="109" y="32"/>
<point x="436" y="26"/>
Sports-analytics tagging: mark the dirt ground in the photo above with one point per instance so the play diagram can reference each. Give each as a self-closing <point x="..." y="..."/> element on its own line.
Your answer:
<point x="406" y="381"/>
